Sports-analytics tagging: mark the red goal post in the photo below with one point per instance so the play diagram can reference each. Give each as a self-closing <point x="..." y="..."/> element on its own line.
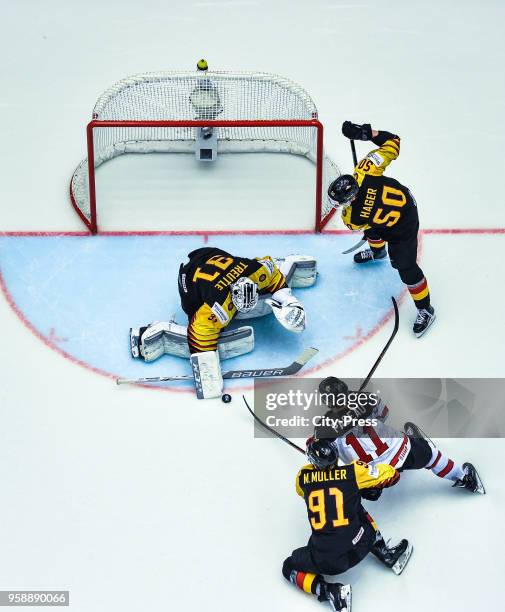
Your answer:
<point x="127" y="119"/>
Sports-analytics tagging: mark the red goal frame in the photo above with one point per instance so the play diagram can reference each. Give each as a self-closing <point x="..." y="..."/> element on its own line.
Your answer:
<point x="92" y="223"/>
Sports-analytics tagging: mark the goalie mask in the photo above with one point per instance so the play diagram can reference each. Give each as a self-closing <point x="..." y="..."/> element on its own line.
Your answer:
<point x="342" y="191"/>
<point x="244" y="294"/>
<point x="321" y="453"/>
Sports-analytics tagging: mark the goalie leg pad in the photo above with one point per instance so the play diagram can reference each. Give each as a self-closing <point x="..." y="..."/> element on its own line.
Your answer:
<point x="235" y="342"/>
<point x="298" y="270"/>
<point x="161" y="338"/>
<point x="169" y="338"/>
<point x="207" y="374"/>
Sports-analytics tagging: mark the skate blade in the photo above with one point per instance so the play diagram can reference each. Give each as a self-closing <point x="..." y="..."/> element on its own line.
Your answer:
<point x="347" y="596"/>
<point x="400" y="564"/>
<point x="480" y="486"/>
<point x="426" y="328"/>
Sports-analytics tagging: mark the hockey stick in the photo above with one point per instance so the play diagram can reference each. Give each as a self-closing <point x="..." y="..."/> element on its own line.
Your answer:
<point x="363" y="384"/>
<point x="384" y="350"/>
<point x="354" y="247"/>
<point x="353" y="151"/>
<point x="271" y="430"/>
<point x="304" y="357"/>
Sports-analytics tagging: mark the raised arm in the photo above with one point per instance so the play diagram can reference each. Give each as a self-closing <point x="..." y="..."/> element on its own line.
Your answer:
<point x="378" y="159"/>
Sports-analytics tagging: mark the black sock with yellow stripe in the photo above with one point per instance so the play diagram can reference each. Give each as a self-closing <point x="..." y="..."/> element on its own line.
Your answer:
<point x="420" y="293"/>
<point x="305" y="581"/>
<point x="417" y="285"/>
<point x="376" y="245"/>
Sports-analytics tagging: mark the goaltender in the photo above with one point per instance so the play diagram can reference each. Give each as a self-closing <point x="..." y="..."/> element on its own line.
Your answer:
<point x="215" y="287"/>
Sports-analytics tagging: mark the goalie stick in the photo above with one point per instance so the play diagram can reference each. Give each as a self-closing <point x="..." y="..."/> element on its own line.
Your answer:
<point x="304" y="357"/>
<point x="363" y="384"/>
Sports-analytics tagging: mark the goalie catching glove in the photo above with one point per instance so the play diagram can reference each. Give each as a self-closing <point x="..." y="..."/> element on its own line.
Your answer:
<point x="288" y="310"/>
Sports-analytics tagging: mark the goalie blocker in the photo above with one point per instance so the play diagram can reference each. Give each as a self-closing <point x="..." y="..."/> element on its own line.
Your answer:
<point x="207" y="374"/>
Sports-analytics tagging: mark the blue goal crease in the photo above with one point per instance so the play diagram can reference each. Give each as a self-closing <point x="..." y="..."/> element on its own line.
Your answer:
<point x="84" y="293"/>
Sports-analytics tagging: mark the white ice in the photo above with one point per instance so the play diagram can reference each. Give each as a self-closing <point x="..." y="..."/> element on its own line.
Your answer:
<point x="104" y="491"/>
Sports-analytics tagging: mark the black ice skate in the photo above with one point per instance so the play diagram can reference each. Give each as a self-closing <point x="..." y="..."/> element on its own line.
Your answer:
<point x="394" y="557"/>
<point x="471" y="480"/>
<point x="425" y="317"/>
<point x="338" y="595"/>
<point x="414" y="431"/>
<point x="368" y="255"/>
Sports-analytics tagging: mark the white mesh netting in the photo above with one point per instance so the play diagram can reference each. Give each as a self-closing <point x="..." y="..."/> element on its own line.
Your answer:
<point x="213" y="96"/>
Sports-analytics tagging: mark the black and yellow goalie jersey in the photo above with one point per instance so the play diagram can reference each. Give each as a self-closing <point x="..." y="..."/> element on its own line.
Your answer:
<point x="333" y="497"/>
<point x="204" y="287"/>
<point x="382" y="203"/>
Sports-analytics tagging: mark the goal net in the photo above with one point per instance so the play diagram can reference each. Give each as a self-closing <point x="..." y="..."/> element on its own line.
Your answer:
<point x="205" y="114"/>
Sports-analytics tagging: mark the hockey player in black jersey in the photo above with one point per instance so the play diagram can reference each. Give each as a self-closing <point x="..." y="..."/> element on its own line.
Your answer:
<point x="386" y="211"/>
<point x="343" y="533"/>
<point x="216" y="287"/>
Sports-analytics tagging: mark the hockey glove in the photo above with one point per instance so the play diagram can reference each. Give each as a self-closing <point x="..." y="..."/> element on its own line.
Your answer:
<point x="355" y="131"/>
<point x="290" y="315"/>
<point x="371" y="494"/>
<point x="288" y="310"/>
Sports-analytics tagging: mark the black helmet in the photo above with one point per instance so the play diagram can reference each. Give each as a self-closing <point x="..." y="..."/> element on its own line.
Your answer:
<point x="321" y="453"/>
<point x="331" y="390"/>
<point x="333" y="385"/>
<point x="342" y="190"/>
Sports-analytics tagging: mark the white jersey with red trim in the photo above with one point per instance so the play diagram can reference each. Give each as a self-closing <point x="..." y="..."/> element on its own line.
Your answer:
<point x="378" y="444"/>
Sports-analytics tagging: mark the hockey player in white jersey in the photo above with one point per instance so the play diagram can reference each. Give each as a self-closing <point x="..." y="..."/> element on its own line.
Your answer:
<point x="381" y="443"/>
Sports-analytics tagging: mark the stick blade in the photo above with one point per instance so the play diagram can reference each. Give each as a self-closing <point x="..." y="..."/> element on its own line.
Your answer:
<point x="397" y="314"/>
<point x="354" y="247"/>
<point x="306" y="355"/>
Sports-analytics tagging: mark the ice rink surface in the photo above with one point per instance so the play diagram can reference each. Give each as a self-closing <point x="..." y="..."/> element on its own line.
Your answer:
<point x="139" y="499"/>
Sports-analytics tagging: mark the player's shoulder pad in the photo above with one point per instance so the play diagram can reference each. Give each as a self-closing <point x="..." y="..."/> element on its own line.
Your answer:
<point x="268" y="263"/>
<point x="369" y="475"/>
<point x="347" y="215"/>
<point x="299" y="490"/>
